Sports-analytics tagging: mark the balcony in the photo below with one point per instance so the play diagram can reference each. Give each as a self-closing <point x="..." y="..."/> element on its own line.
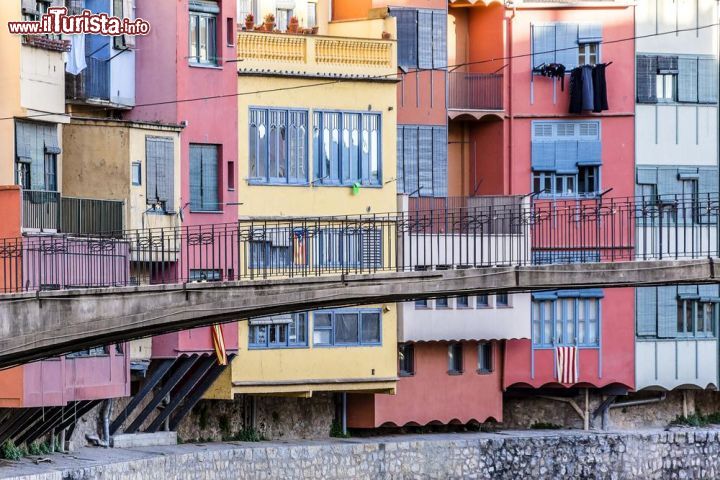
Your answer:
<point x="317" y="56"/>
<point x="45" y="211"/>
<point x="93" y="83"/>
<point x="474" y="94"/>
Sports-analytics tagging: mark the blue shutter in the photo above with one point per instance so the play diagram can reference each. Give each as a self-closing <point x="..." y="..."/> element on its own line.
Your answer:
<point x="37" y="153"/>
<point x="440" y="162"/>
<point x="439" y="39"/>
<point x="400" y="177"/>
<point x="667" y="64"/>
<point x="543" y="156"/>
<point x="590" y="33"/>
<point x="646" y="71"/>
<point x="646" y="310"/>
<point x="425" y="140"/>
<point x="407" y="37"/>
<point x="566" y="42"/>
<point x="667" y="312"/>
<point x="425" y="39"/>
<point x="210" y="178"/>
<point x="707" y="188"/>
<point x="647" y="176"/>
<point x="566" y="157"/>
<point x="590" y="153"/>
<point x="543" y="44"/>
<point x="688" y="80"/>
<point x="195" y="177"/>
<point x="707" y="80"/>
<point x="668" y="183"/>
<point x="410" y="144"/>
<point x="708" y="291"/>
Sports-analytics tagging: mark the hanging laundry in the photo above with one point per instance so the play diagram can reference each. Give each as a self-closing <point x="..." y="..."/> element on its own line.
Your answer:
<point x="576" y="91"/>
<point x="600" y="88"/>
<point x="553" y="70"/>
<point x="76" y="59"/>
<point x="588" y="93"/>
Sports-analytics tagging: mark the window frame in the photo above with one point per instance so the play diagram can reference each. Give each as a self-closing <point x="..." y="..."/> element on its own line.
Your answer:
<point x="697" y="306"/>
<point x="364" y="179"/>
<point x="482" y="348"/>
<point x="136" y="168"/>
<point x="558" y="305"/>
<point x="661" y="87"/>
<point x="403" y="360"/>
<point x="288" y="12"/>
<point x="486" y="304"/>
<point x="442" y="306"/>
<point x="584" y="55"/>
<point x="267" y="179"/>
<point x="506" y="303"/>
<point x="211" y="39"/>
<point x="465" y="305"/>
<point x="219" y="205"/>
<point x="361" y="313"/>
<point x="543" y="177"/>
<point x="298" y="318"/>
<point x="455" y="359"/>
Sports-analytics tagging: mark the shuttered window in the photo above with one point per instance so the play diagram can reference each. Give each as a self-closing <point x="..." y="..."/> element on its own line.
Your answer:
<point x="354" y="248"/>
<point x="422" y="37"/>
<point x="36" y="150"/>
<point x="566" y="42"/>
<point x="646" y="311"/>
<point x="347" y="148"/>
<point x="566" y="317"/>
<point x="278" y="146"/>
<point x="160" y="176"/>
<point x="204" y="178"/>
<point x="569" y="44"/>
<point x="686" y="79"/>
<point x="422" y="154"/>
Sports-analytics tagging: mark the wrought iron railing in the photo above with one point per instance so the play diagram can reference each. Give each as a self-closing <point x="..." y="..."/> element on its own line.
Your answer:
<point x="45" y="211"/>
<point x="93" y="82"/>
<point x="481" y="232"/>
<point x="475" y="91"/>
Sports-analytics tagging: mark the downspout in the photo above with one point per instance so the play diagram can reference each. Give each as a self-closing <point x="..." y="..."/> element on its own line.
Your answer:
<point x="635" y="403"/>
<point x="509" y="41"/>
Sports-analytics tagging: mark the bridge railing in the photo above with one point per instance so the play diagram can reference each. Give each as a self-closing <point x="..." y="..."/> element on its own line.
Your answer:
<point x="468" y="234"/>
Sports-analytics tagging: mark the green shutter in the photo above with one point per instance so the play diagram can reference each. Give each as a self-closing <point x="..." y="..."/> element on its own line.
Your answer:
<point x="646" y="311"/>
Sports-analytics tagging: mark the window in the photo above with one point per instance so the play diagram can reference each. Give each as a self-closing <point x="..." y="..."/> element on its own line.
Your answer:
<point x="231" y="175"/>
<point x="679" y="191"/>
<point x="36" y="151"/>
<point x="203" y="32"/>
<point x="230" y="32"/>
<point x="123" y="9"/>
<point x="204" y="180"/>
<point x="349" y="248"/>
<point x="455" y="360"/>
<point x="569" y="317"/>
<point x="502" y="300"/>
<point x="485" y="357"/>
<point x="347" y="328"/>
<point x="566" y="158"/>
<point x="681" y="78"/>
<point x="696" y="317"/>
<point x="463" y="302"/>
<point x="90" y="352"/>
<point x="422" y="161"/>
<point x="278" y="146"/>
<point x="666" y="87"/>
<point x="406" y="359"/>
<point x="266" y="255"/>
<point x="483" y="301"/>
<point x="441" y="302"/>
<point x="422" y="37"/>
<point x="160" y="164"/>
<point x="347" y="148"/>
<point x="421" y="304"/>
<point x="279" y="332"/>
<point x="588" y="53"/>
<point x="312" y="14"/>
<point x="136" y="173"/>
<point x="282" y="18"/>
<point x="197" y="275"/>
<point x="246" y="7"/>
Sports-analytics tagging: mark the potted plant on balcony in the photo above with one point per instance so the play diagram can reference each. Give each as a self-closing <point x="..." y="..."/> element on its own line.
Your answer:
<point x="269" y="22"/>
<point x="293" y="25"/>
<point x="250" y="22"/>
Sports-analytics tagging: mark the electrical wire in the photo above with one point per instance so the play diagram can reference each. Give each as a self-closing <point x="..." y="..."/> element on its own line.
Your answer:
<point x="380" y="77"/>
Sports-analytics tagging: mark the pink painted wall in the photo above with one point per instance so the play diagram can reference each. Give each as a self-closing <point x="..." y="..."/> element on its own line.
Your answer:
<point x="431" y="395"/>
<point x="421" y="101"/>
<point x="164" y="74"/>
<point x="617" y="365"/>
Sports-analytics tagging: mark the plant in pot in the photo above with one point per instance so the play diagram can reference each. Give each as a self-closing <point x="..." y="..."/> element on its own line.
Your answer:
<point x="250" y="22"/>
<point x="293" y="25"/>
<point x="269" y="22"/>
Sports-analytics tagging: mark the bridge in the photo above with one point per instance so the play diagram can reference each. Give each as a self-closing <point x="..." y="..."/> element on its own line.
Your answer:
<point x="65" y="293"/>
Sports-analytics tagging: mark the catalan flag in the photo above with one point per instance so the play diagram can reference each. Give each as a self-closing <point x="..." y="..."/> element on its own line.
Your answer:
<point x="219" y="344"/>
<point x="299" y="250"/>
<point x="566" y="362"/>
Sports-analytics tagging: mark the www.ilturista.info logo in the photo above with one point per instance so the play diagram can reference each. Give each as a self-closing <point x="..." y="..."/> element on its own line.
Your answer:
<point x="57" y="21"/>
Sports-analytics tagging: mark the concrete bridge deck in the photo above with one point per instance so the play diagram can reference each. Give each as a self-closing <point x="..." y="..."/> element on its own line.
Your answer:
<point x="40" y="325"/>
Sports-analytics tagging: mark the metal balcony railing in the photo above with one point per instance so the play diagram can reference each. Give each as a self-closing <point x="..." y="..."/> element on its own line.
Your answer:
<point x="475" y="91"/>
<point x="91" y="83"/>
<point x="49" y="211"/>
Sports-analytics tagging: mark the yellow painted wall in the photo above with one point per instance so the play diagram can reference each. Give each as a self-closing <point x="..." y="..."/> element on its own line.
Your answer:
<point x="98" y="158"/>
<point x="301" y="371"/>
<point x="318" y="200"/>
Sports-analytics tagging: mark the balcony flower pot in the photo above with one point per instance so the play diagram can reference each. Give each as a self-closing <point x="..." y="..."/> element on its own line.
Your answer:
<point x="250" y="22"/>
<point x="386" y="36"/>
<point x="293" y="25"/>
<point x="269" y="22"/>
<point x="315" y="30"/>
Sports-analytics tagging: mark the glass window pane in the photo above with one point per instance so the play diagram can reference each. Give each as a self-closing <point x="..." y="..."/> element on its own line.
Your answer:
<point x="660" y="86"/>
<point x="346" y="328"/>
<point x="669" y="87"/>
<point x="582" y="305"/>
<point x="558" y="323"/>
<point x="536" y="332"/>
<point x="569" y="321"/>
<point x="548" y="322"/>
<point x="371" y="327"/>
<point x="323" y="320"/>
<point x="321" y="337"/>
<point x="194" y="47"/>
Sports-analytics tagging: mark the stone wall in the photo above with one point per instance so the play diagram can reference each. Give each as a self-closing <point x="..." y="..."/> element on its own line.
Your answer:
<point x="659" y="455"/>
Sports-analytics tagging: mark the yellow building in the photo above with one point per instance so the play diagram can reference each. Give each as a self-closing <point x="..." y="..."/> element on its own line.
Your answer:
<point x="317" y="138"/>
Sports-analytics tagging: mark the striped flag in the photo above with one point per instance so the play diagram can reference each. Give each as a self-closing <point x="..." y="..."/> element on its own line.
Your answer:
<point x="299" y="253"/>
<point x="219" y="344"/>
<point x="566" y="362"/>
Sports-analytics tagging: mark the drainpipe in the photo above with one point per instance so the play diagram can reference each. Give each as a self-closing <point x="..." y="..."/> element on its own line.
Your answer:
<point x="635" y="403"/>
<point x="509" y="40"/>
<point x="106" y="412"/>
